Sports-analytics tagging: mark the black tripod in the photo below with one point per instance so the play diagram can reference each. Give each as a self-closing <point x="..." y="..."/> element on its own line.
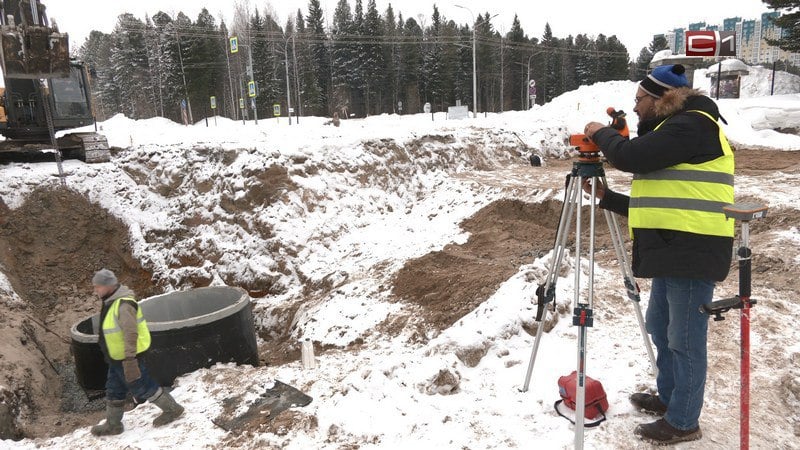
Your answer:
<point x="587" y="166"/>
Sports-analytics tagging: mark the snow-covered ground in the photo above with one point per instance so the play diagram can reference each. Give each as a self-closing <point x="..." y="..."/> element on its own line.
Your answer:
<point x="353" y="204"/>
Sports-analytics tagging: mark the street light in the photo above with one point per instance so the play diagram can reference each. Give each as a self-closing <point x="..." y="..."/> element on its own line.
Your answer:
<point x="474" y="65"/>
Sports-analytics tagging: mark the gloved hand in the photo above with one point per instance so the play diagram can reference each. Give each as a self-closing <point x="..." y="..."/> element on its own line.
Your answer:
<point x="131" y="368"/>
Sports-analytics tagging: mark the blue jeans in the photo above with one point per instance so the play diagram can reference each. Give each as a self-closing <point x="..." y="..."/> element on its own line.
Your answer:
<point x="679" y="332"/>
<point x="117" y="388"/>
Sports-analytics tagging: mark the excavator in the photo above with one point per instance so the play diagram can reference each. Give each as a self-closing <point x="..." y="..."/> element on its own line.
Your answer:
<point x="45" y="90"/>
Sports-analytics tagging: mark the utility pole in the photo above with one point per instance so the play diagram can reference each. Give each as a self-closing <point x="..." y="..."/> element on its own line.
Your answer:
<point x="230" y="77"/>
<point x="288" y="92"/>
<point x="250" y="71"/>
<point x="296" y="81"/>
<point x="474" y="60"/>
<point x="183" y="74"/>
<point x="502" y="77"/>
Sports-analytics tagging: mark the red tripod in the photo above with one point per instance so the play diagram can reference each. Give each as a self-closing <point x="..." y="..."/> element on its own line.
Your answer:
<point x="744" y="212"/>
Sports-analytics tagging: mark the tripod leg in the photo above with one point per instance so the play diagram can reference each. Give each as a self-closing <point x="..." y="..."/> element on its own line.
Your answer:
<point x="565" y="222"/>
<point x="630" y="283"/>
<point x="582" y="317"/>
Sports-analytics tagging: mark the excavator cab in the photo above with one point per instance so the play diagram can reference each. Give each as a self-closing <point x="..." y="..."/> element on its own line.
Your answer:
<point x="31" y="46"/>
<point x="45" y="91"/>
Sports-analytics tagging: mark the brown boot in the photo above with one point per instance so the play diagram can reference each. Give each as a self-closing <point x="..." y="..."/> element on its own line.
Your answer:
<point x="171" y="409"/>
<point x="113" y="424"/>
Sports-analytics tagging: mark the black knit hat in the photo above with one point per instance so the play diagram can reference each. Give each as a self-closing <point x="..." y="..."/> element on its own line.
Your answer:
<point x="663" y="78"/>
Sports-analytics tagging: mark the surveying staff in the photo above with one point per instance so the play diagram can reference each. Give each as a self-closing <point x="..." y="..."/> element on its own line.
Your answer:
<point x="124" y="337"/>
<point x="683" y="176"/>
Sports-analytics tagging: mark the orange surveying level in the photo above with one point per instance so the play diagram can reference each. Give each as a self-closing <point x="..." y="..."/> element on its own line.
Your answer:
<point x="586" y="148"/>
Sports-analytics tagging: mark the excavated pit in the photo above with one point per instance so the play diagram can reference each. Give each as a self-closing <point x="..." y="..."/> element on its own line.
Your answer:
<point x="51" y="246"/>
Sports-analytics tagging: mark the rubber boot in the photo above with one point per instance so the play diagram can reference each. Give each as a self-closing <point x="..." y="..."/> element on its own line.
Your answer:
<point x="113" y="424"/>
<point x="171" y="409"/>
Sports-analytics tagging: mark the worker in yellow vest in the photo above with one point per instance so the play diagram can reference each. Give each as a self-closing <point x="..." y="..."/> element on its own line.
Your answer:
<point x="124" y="338"/>
<point x="683" y="176"/>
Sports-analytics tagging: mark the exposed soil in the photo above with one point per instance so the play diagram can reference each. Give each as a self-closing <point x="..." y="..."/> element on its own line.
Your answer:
<point x="55" y="242"/>
<point x="51" y="246"/>
<point x="754" y="161"/>
<point x="504" y="235"/>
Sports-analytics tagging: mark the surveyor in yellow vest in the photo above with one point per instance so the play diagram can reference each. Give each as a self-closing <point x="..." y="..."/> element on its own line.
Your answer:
<point x="124" y="338"/>
<point x="683" y="176"/>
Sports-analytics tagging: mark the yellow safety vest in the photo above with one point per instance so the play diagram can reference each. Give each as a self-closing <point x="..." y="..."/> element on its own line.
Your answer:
<point x="685" y="197"/>
<point x="114" y="338"/>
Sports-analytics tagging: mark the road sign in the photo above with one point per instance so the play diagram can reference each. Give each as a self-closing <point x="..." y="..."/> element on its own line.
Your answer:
<point x="241" y="103"/>
<point x="276" y="110"/>
<point x="234" y="44"/>
<point x="291" y="110"/>
<point x="427" y="108"/>
<point x="253" y="103"/>
<point x="251" y="89"/>
<point x="213" y="102"/>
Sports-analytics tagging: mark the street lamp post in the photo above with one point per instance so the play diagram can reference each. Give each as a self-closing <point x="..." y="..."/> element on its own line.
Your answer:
<point x="474" y="62"/>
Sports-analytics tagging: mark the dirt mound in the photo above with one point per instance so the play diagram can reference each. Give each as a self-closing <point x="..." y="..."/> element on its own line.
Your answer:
<point x="505" y="235"/>
<point x="56" y="241"/>
<point x="52" y="245"/>
<point x="754" y="161"/>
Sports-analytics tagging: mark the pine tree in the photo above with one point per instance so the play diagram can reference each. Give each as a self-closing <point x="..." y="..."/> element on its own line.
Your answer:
<point x="642" y="64"/>
<point x="584" y="64"/>
<point x="517" y="94"/>
<point x="309" y="89"/>
<point x="343" y="63"/>
<point x="617" y="60"/>
<point x="488" y="62"/>
<point x="320" y="58"/>
<point x="789" y="22"/>
<point x="552" y="73"/>
<point x="170" y="79"/>
<point x="569" y="79"/>
<point x="410" y="68"/>
<point x="449" y="62"/>
<point x="130" y="70"/>
<point x="202" y="63"/>
<point x="431" y="63"/>
<point x="391" y="53"/>
<point x="373" y="67"/>
<point x="659" y="43"/>
<point x="96" y="54"/>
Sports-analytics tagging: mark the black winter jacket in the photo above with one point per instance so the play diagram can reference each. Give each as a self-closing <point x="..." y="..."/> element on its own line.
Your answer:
<point x="686" y="137"/>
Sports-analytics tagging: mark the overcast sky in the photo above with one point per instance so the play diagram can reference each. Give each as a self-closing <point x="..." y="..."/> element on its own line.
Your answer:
<point x="633" y="21"/>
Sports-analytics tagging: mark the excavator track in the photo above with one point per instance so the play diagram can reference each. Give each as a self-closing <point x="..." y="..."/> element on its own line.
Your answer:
<point x="88" y="147"/>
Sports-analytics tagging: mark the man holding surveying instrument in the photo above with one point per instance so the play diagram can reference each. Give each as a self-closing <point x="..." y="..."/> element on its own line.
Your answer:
<point x="683" y="176"/>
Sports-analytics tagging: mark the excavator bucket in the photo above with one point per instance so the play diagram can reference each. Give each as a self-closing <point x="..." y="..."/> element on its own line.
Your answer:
<point x="34" y="52"/>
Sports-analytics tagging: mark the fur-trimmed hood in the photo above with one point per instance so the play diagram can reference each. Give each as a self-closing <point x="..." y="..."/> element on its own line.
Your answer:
<point x="674" y="100"/>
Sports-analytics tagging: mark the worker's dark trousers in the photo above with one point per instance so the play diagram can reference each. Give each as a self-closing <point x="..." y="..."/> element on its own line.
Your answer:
<point x="679" y="331"/>
<point x="117" y="388"/>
